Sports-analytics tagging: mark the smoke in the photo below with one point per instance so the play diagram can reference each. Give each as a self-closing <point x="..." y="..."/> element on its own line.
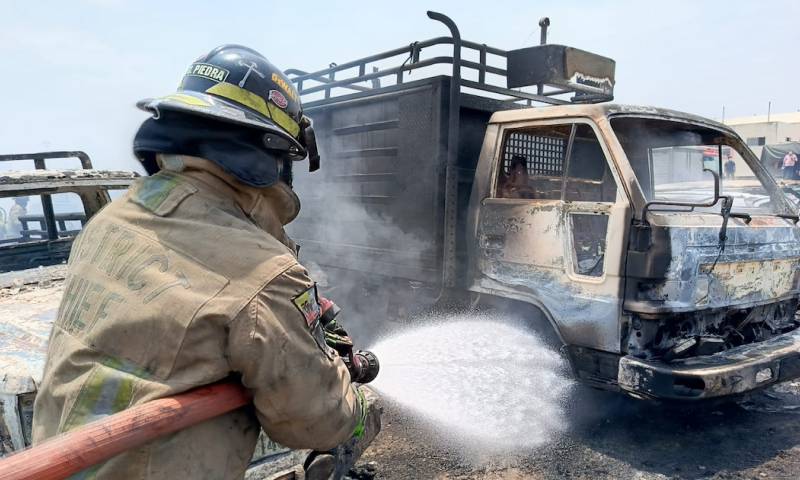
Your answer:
<point x="350" y="255"/>
<point x="359" y="230"/>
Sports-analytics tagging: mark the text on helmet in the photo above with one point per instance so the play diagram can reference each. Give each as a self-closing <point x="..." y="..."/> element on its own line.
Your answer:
<point x="205" y="70"/>
<point x="285" y="86"/>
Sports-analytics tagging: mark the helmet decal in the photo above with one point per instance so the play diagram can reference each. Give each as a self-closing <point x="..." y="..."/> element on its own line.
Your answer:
<point x="278" y="99"/>
<point x="285" y="86"/>
<point x="211" y="72"/>
<point x="251" y="68"/>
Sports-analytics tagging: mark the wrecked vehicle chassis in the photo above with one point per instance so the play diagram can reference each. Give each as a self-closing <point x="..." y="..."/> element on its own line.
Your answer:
<point x="732" y="372"/>
<point x="621" y="244"/>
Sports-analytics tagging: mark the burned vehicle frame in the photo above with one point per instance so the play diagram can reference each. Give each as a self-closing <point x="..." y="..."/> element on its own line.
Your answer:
<point x="690" y="305"/>
<point x="45" y="238"/>
<point x="33" y="254"/>
<point x="447" y="190"/>
<point x="712" y="313"/>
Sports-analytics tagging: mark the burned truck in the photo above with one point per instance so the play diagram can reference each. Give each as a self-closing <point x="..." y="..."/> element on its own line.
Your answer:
<point x="42" y="211"/>
<point x="611" y="229"/>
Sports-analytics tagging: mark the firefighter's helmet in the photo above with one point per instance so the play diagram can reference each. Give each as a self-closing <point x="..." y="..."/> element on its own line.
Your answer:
<point x="238" y="85"/>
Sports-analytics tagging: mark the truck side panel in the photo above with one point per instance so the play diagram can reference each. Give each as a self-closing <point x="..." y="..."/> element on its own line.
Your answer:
<point x="377" y="205"/>
<point x="374" y="206"/>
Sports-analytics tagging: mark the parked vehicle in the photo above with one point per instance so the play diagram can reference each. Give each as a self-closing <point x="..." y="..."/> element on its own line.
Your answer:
<point x="607" y="227"/>
<point x="44" y="211"/>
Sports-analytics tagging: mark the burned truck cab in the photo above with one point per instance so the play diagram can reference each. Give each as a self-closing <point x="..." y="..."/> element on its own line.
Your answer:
<point x="663" y="274"/>
<point x="711" y="285"/>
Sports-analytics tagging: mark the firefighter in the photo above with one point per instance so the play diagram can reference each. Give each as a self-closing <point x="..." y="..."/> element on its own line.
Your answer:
<point x="14" y="227"/>
<point x="190" y="279"/>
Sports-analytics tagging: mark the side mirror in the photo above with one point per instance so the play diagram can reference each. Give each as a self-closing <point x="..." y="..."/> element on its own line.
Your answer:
<point x="716" y="183"/>
<point x="727" y="201"/>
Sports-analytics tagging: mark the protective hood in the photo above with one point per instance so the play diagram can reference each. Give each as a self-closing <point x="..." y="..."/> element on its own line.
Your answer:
<point x="241" y="152"/>
<point x="269" y="208"/>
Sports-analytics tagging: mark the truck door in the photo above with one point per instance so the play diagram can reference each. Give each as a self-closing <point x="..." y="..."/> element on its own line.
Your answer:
<point x="552" y="229"/>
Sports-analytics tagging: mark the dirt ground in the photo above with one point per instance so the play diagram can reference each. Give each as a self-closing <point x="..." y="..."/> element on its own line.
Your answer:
<point x="614" y="437"/>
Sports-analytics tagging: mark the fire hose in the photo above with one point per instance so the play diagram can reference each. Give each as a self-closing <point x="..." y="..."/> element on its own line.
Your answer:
<point x="96" y="442"/>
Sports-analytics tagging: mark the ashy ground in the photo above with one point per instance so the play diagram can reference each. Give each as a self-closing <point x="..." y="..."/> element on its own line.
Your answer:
<point x="613" y="437"/>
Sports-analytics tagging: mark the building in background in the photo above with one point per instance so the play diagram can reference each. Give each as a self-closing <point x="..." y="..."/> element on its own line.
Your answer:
<point x="758" y="130"/>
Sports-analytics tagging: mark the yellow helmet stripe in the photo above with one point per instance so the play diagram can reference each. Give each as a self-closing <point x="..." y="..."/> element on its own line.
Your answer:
<point x="187" y="99"/>
<point x="251" y="100"/>
<point x="284" y="120"/>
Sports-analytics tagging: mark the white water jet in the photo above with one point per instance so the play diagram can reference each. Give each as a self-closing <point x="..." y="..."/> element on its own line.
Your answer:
<point x="482" y="383"/>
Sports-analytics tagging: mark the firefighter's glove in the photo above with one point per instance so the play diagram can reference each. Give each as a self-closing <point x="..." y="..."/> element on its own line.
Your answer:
<point x="335" y="336"/>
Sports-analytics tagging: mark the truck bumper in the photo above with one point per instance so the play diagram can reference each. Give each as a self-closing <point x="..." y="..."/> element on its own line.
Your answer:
<point x="734" y="371"/>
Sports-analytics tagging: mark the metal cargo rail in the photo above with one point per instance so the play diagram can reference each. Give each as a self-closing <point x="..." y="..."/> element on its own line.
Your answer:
<point x="336" y="80"/>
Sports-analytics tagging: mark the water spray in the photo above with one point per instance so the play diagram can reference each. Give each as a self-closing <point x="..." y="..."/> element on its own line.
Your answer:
<point x="481" y="383"/>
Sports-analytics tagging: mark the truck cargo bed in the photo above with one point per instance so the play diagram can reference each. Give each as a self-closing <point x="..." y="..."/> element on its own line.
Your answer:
<point x="378" y="204"/>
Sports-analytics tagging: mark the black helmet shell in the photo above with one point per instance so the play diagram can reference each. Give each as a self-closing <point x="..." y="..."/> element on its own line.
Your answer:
<point x="237" y="84"/>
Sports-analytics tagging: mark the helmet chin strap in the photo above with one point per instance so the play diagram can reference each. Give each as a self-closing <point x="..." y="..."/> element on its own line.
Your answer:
<point x="286" y="171"/>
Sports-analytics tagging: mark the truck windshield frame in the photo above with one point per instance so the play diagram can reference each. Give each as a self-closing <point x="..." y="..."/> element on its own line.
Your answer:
<point x="669" y="155"/>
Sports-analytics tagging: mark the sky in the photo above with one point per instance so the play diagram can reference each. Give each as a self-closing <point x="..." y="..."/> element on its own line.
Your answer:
<point x="73" y="71"/>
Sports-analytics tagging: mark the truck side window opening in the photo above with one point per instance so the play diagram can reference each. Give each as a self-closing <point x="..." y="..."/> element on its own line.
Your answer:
<point x="69" y="212"/>
<point x="589" y="243"/>
<point x="589" y="178"/>
<point x="533" y="163"/>
<point x="117" y="193"/>
<point x="17" y="227"/>
<point x="24" y="220"/>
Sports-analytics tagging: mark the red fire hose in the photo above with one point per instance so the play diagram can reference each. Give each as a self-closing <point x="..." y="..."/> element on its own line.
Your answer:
<point x="98" y="441"/>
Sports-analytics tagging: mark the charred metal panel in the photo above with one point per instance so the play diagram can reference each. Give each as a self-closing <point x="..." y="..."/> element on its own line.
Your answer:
<point x="22" y="182"/>
<point x="27" y="317"/>
<point x="25" y="320"/>
<point x="649" y="251"/>
<point x="522" y="255"/>
<point x="33" y="254"/>
<point x="734" y="371"/>
<point x="758" y="265"/>
<point x="597" y="368"/>
<point x="532" y="249"/>
<point x="376" y="206"/>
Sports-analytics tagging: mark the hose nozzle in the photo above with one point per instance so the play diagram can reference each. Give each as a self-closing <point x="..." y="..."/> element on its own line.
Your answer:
<point x="364" y="367"/>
